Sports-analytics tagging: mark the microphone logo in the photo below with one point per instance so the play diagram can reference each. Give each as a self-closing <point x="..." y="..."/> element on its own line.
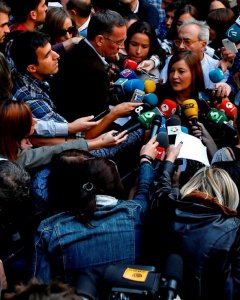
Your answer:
<point x="164" y="107"/>
<point x="188" y="105"/>
<point x="232" y="32"/>
<point x="214" y="115"/>
<point x="138" y="110"/>
<point x="126" y="72"/>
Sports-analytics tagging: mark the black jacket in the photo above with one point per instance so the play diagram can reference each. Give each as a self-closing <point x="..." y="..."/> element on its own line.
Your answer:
<point x="81" y="87"/>
<point x="205" y="234"/>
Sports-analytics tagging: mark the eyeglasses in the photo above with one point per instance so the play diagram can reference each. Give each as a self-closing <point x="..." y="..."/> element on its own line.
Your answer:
<point x="119" y="43"/>
<point x="70" y="30"/>
<point x="185" y="42"/>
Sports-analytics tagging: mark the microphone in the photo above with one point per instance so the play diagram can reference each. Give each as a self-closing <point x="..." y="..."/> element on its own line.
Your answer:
<point x="156" y="124"/>
<point x="168" y="107"/>
<point x="149" y="86"/>
<point x="131" y="85"/>
<point x="128" y="74"/>
<point x="143" y="120"/>
<point x="190" y="109"/>
<point x="163" y="144"/>
<point x="119" y="86"/>
<point x="228" y="108"/>
<point x="218" y="117"/>
<point x="150" y="98"/>
<point x="173" y="125"/>
<point x="216" y="75"/>
<point x="172" y="276"/>
<point x="130" y="64"/>
<point x="233" y="33"/>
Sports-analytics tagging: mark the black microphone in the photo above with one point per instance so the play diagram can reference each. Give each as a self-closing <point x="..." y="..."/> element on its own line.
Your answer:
<point x="163" y="144"/>
<point x="173" y="125"/>
<point x="156" y="124"/>
<point x="172" y="276"/>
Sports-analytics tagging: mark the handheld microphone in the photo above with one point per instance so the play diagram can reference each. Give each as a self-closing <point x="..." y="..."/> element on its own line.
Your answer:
<point x="156" y="124"/>
<point x="128" y="74"/>
<point x="150" y="98"/>
<point x="216" y="75"/>
<point x="130" y="64"/>
<point x="119" y="86"/>
<point x="228" y="108"/>
<point x="131" y="85"/>
<point x="143" y="120"/>
<point x="149" y="86"/>
<point x="172" y="276"/>
<point x="233" y="33"/>
<point x="163" y="144"/>
<point x="173" y="125"/>
<point x="190" y="109"/>
<point x="218" y="117"/>
<point x="168" y="107"/>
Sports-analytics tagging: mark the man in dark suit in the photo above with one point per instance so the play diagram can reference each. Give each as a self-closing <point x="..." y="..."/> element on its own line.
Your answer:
<point x="83" y="70"/>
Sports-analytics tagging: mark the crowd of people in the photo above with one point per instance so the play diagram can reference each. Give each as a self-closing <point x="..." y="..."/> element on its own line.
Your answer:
<point x="119" y="144"/>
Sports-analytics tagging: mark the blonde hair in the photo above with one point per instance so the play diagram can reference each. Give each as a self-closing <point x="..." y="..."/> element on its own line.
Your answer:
<point x="214" y="182"/>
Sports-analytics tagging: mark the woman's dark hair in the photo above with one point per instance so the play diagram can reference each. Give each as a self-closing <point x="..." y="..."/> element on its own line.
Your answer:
<point x="55" y="290"/>
<point x="5" y="79"/>
<point x="53" y="25"/>
<point x="146" y="28"/>
<point x="220" y="20"/>
<point x="75" y="181"/>
<point x="195" y="67"/>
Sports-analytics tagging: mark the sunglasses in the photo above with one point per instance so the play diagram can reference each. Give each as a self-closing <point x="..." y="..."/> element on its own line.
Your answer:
<point x="70" y="30"/>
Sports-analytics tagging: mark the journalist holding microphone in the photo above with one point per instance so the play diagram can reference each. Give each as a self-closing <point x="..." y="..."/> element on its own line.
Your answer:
<point x="200" y="223"/>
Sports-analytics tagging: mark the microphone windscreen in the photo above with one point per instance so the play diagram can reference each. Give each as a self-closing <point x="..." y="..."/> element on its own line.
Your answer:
<point x="131" y="85"/>
<point x="216" y="75"/>
<point x="217" y="116"/>
<point x="147" y="118"/>
<point x="130" y="64"/>
<point x="163" y="144"/>
<point x="190" y="108"/>
<point x="174" y="267"/>
<point x="162" y="138"/>
<point x="151" y="99"/>
<point x="173" y="120"/>
<point x="233" y="33"/>
<point x="128" y="74"/>
<point x="149" y="86"/>
<point x="168" y="107"/>
<point x="228" y="108"/>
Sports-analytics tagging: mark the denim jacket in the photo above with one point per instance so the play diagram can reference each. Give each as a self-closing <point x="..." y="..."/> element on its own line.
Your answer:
<point x="63" y="246"/>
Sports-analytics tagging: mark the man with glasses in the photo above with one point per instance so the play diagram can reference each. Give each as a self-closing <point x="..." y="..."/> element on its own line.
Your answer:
<point x="193" y="35"/>
<point x="84" y="68"/>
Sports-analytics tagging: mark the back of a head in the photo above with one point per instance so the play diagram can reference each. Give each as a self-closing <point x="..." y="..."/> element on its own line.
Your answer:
<point x="20" y="9"/>
<point x="103" y="22"/>
<point x="82" y="8"/>
<point x="23" y="48"/>
<point x="214" y="182"/>
<point x="14" y="185"/>
<point x="5" y="79"/>
<point x="53" y="291"/>
<point x="94" y="176"/>
<point x="220" y="20"/>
